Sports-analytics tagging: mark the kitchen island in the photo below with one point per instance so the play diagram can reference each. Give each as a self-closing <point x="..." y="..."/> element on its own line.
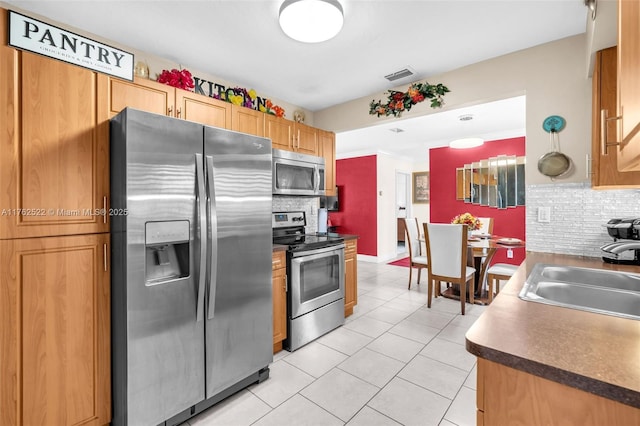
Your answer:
<point x="543" y="364"/>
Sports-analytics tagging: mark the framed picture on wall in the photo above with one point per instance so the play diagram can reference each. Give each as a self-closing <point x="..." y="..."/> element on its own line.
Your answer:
<point x="420" y="187"/>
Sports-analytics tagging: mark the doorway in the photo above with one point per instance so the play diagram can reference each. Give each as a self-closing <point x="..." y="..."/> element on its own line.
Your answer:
<point x="403" y="208"/>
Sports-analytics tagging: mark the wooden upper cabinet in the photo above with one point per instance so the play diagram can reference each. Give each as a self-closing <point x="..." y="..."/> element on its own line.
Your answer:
<point x="202" y="109"/>
<point x="280" y="131"/>
<point x="54" y="167"/>
<point x="327" y="144"/>
<point x="151" y="96"/>
<point x="605" y="172"/>
<point x="247" y="120"/>
<point x="306" y="139"/>
<point x="55" y="344"/>
<point x="629" y="84"/>
<point x="142" y="94"/>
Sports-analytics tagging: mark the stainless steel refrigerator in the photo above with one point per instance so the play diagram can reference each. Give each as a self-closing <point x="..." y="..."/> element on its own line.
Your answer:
<point x="191" y="273"/>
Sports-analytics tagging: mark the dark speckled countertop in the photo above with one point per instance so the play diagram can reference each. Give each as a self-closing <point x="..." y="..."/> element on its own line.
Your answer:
<point x="596" y="353"/>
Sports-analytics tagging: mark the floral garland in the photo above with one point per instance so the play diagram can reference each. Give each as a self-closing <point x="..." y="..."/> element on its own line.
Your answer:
<point x="398" y="102"/>
<point x="467" y="219"/>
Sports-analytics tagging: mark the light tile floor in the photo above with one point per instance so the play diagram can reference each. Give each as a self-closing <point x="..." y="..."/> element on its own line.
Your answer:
<point x="394" y="362"/>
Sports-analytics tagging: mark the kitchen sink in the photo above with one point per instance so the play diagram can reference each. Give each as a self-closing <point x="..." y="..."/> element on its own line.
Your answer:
<point x="593" y="290"/>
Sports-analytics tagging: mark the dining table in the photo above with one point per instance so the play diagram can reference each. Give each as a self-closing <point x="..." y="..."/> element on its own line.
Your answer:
<point x="480" y="252"/>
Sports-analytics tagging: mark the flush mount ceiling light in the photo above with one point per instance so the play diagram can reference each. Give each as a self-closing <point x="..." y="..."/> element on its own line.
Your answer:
<point x="311" y="21"/>
<point x="466" y="143"/>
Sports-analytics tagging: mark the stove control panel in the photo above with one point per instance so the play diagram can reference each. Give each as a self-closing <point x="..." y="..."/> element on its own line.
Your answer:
<point x="287" y="219"/>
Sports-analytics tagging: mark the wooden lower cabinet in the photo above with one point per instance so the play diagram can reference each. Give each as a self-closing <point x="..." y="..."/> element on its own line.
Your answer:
<point x="55" y="340"/>
<point x="350" y="276"/>
<point x="506" y="396"/>
<point x="279" y="283"/>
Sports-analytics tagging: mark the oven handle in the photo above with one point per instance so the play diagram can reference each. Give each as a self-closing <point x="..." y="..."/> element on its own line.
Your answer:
<point x="305" y="253"/>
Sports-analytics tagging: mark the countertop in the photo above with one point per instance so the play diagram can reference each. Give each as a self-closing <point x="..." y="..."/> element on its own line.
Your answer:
<point x="279" y="247"/>
<point x="596" y="353"/>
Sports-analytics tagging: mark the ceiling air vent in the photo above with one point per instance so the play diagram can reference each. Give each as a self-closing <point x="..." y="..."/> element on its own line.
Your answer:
<point x="399" y="74"/>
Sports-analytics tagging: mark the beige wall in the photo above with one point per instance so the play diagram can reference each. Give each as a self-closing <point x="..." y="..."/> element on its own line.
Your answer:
<point x="553" y="78"/>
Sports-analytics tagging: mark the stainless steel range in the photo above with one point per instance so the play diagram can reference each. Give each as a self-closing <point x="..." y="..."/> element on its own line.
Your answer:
<point x="315" y="279"/>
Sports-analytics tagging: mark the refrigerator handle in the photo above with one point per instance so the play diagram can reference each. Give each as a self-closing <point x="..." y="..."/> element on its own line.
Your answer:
<point x="213" y="226"/>
<point x="202" y="232"/>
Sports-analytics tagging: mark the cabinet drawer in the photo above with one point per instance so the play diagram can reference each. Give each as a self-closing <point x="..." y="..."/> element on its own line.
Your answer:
<point x="351" y="248"/>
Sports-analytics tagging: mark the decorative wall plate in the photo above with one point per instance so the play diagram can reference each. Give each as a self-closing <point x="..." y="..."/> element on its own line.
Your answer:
<point x="553" y="123"/>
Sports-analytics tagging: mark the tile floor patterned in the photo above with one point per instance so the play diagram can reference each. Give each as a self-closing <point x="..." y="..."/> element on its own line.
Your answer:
<point x="394" y="362"/>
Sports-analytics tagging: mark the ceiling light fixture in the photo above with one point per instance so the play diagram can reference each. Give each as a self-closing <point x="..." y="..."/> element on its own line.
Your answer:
<point x="311" y="21"/>
<point x="466" y="143"/>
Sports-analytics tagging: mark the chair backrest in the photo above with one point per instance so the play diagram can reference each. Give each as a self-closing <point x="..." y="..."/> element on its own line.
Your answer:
<point x="411" y="229"/>
<point x="486" y="227"/>
<point x="446" y="249"/>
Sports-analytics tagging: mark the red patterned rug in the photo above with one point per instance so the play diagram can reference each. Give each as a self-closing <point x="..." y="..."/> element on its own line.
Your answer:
<point x="401" y="262"/>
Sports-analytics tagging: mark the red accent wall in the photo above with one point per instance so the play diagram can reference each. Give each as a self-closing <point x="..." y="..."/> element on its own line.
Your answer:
<point x="358" y="215"/>
<point x="443" y="162"/>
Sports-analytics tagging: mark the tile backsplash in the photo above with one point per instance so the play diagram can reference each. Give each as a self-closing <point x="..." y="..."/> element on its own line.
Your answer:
<point x="309" y="205"/>
<point x="578" y="216"/>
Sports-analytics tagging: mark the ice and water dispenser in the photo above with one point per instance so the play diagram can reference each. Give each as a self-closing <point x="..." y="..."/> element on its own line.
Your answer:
<point x="167" y="251"/>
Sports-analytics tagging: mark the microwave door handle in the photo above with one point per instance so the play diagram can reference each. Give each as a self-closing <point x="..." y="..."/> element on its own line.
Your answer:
<point x="202" y="232"/>
<point x="213" y="226"/>
<point x="317" y="179"/>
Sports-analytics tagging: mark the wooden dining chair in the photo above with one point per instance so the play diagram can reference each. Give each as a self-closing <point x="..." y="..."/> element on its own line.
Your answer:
<point x="496" y="273"/>
<point x="416" y="259"/>
<point x="486" y="227"/>
<point x="447" y="259"/>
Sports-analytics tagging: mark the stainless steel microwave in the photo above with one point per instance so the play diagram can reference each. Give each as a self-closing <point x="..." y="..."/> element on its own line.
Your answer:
<point x="297" y="174"/>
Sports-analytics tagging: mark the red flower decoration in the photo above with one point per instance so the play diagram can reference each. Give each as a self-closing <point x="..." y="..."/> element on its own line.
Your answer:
<point x="181" y="79"/>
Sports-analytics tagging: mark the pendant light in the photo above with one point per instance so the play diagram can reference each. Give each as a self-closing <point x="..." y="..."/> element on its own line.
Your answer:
<point x="465" y="143"/>
<point x="311" y="21"/>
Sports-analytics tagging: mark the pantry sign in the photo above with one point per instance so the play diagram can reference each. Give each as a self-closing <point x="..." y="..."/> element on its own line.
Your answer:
<point x="36" y="36"/>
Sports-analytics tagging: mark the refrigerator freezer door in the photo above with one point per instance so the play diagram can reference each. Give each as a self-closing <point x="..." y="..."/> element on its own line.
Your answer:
<point x="239" y="326"/>
<point x="158" y="345"/>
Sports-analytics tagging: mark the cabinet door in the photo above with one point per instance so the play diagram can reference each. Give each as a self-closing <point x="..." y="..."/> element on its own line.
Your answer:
<point x="142" y="94"/>
<point x="280" y="131"/>
<point x="203" y="109"/>
<point x="247" y="120"/>
<point x="306" y="139"/>
<point x="328" y="151"/>
<point x="279" y="300"/>
<point x="629" y="84"/>
<point x="605" y="167"/>
<point x="55" y="348"/>
<point x="351" y="277"/>
<point x="54" y="167"/>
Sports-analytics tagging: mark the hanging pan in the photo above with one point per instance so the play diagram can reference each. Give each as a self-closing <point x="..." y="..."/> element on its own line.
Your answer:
<point x="554" y="163"/>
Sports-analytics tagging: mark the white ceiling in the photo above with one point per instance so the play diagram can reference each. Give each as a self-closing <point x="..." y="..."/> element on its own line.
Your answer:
<point x="240" y="41"/>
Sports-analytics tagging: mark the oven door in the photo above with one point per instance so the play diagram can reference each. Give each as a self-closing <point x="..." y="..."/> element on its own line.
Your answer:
<point x="317" y="278"/>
